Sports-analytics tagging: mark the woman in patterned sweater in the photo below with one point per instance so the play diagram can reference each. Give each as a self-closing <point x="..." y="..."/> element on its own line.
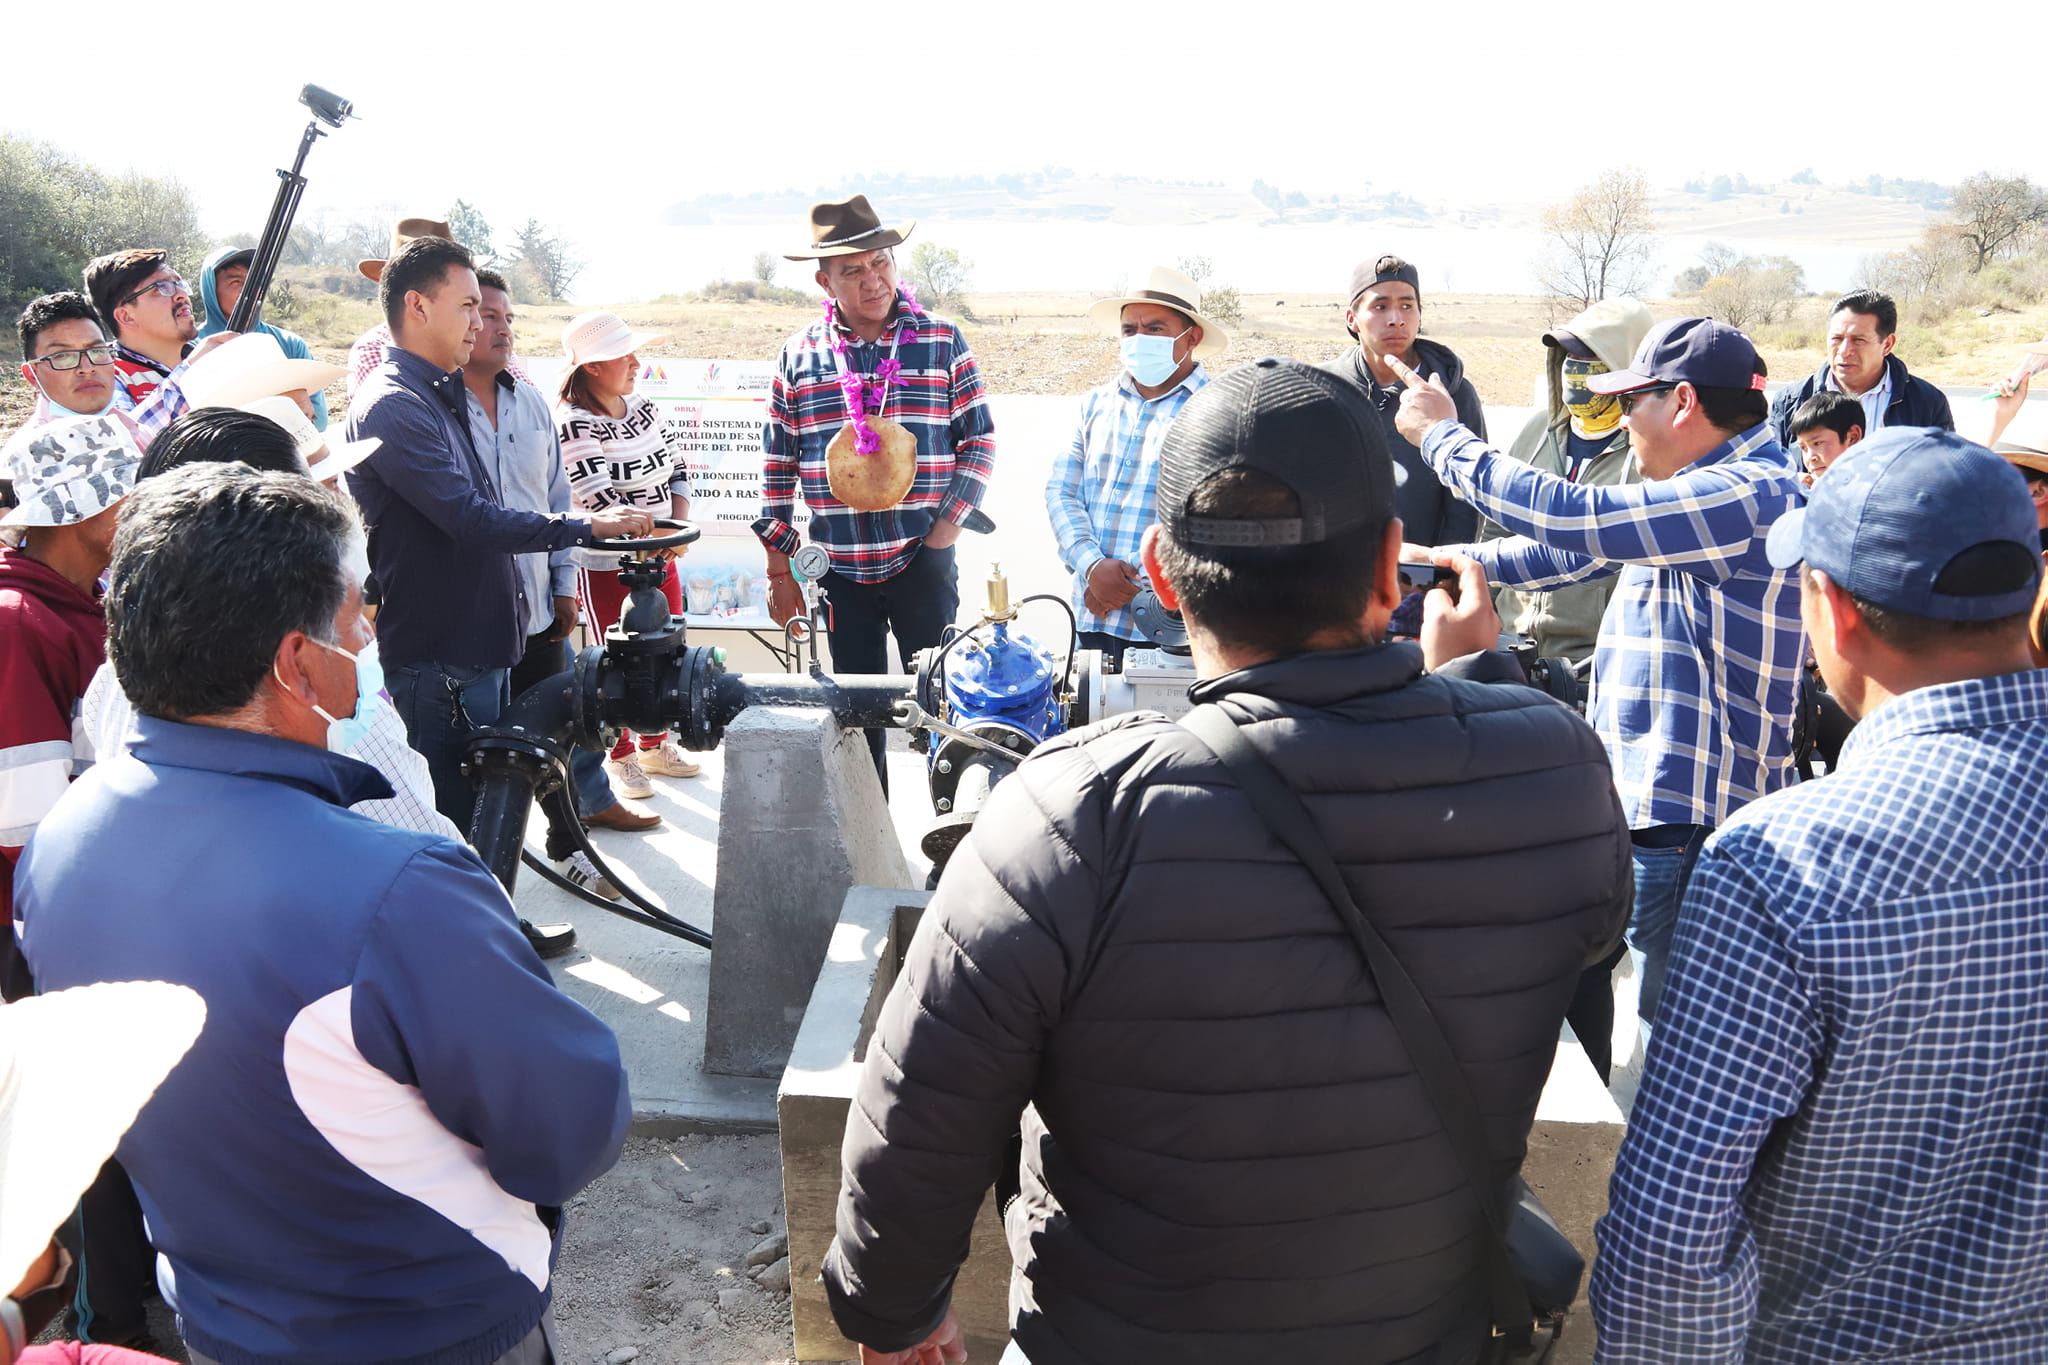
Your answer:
<point x="618" y="456"/>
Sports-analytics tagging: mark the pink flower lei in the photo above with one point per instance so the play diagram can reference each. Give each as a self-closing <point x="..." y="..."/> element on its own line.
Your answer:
<point x="871" y="394"/>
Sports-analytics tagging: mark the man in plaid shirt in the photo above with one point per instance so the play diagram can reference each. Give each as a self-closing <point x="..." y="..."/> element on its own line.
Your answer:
<point x="1696" y="670"/>
<point x="1100" y="494"/>
<point x="892" y="570"/>
<point x="1837" y="1151"/>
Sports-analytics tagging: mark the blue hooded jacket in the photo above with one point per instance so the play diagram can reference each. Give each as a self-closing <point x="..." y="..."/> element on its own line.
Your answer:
<point x="216" y="320"/>
<point x="364" y="1156"/>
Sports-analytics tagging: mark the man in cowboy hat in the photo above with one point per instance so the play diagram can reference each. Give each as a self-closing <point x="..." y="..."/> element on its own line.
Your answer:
<point x="70" y="478"/>
<point x="1100" y="493"/>
<point x="2027" y="450"/>
<point x="367" y="353"/>
<point x="922" y="402"/>
<point x="442" y="537"/>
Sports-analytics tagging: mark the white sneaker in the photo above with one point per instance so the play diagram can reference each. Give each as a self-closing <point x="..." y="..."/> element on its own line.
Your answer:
<point x="668" y="761"/>
<point x="629" y="779"/>
<point x="578" y="868"/>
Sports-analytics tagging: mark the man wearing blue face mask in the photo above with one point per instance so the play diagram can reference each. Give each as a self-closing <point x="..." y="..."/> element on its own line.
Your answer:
<point x="1100" y="494"/>
<point x="367" y="1156"/>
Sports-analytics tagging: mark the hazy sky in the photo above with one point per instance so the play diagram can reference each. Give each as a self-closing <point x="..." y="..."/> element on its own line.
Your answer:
<point x="572" y="113"/>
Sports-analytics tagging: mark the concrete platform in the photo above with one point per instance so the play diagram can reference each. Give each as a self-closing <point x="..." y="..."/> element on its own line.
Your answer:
<point x="650" y="987"/>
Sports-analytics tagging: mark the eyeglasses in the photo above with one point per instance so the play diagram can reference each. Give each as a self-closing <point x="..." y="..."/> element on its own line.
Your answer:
<point x="1629" y="400"/>
<point x="168" y="288"/>
<point x="102" y="354"/>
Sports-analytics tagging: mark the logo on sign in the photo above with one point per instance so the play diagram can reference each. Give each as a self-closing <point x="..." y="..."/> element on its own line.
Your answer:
<point x="653" y="372"/>
<point x="711" y="373"/>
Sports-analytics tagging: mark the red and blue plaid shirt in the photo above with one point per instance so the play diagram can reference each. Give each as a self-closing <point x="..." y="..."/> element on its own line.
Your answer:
<point x="938" y="399"/>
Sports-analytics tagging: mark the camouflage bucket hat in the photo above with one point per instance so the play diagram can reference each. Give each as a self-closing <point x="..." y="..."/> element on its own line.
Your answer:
<point x="73" y="470"/>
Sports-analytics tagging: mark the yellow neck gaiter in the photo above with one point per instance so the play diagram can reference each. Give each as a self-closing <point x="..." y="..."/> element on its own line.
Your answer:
<point x="1592" y="414"/>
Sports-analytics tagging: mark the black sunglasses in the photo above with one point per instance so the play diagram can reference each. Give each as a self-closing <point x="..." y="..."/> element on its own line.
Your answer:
<point x="1629" y="399"/>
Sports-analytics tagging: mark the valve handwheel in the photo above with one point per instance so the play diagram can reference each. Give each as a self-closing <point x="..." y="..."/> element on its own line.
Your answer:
<point x="680" y="533"/>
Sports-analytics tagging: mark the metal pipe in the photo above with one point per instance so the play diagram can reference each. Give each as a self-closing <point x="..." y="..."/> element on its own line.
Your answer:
<point x="862" y="701"/>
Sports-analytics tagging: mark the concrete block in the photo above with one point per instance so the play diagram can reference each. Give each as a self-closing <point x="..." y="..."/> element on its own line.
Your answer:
<point x="802" y="819"/>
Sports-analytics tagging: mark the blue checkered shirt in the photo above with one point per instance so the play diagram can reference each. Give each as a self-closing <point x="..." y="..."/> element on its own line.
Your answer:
<point x="1696" y="671"/>
<point x="1100" y="494"/>
<point x="1840" y="1148"/>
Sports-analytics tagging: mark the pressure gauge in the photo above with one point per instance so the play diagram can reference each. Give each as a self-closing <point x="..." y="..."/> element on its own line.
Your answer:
<point x="812" y="562"/>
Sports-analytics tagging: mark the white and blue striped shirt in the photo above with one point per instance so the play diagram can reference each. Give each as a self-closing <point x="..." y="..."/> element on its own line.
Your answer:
<point x="1840" y="1148"/>
<point x="1101" y="491"/>
<point x="1696" y="671"/>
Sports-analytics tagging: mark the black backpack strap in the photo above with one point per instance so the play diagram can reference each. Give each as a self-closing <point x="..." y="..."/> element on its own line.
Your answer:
<point x="1443" y="1077"/>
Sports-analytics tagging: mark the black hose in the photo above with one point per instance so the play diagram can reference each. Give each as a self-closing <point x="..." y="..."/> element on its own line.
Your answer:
<point x="665" y="923"/>
<point x="1073" y="628"/>
<point x="649" y="913"/>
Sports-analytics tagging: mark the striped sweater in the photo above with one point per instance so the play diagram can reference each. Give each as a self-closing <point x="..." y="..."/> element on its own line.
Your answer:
<point x="621" y="461"/>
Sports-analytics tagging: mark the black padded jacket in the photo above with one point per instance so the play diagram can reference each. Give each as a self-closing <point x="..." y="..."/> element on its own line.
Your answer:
<point x="1227" y="1155"/>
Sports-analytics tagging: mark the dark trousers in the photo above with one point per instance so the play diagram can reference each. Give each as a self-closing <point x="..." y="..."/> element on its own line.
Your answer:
<point x="1591" y="1013"/>
<point x="116" y="1266"/>
<point x="916" y="605"/>
<point x="1112" y="647"/>
<point x="442" y="705"/>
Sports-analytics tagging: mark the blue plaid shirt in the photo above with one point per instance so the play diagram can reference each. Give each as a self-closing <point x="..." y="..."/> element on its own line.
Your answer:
<point x="1696" y="671"/>
<point x="1100" y="494"/>
<point x="1838" y="1150"/>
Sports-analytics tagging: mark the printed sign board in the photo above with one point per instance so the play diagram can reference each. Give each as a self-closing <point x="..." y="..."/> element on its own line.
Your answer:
<point x="712" y="410"/>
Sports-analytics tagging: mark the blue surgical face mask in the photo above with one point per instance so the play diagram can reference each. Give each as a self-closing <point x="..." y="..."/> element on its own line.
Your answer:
<point x="1150" y="358"/>
<point x="345" y="732"/>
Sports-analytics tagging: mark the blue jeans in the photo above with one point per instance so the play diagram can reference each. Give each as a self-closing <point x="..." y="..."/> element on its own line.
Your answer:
<point x="1664" y="856"/>
<point x="442" y="705"/>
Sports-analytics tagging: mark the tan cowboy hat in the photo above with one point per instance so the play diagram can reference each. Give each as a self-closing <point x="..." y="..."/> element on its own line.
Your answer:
<point x="847" y="228"/>
<point x="598" y="335"/>
<point x="402" y="232"/>
<point x="249" y="367"/>
<point x="324" y="459"/>
<point x="76" y="1067"/>
<point x="1169" y="287"/>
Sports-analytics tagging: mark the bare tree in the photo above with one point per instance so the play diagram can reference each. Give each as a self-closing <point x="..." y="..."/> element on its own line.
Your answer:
<point x="543" y="263"/>
<point x="1196" y="268"/>
<point x="764" y="266"/>
<point x="1994" y="213"/>
<point x="1754" y="290"/>
<point x="939" y="274"/>
<point x="1598" y="243"/>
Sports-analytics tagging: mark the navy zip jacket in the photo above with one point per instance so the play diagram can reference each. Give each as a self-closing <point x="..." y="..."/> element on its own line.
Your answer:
<point x="1915" y="402"/>
<point x="441" y="537"/>
<point x="364" y="1156"/>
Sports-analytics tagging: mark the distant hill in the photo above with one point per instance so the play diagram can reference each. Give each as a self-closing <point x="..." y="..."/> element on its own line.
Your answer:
<point x="1059" y="193"/>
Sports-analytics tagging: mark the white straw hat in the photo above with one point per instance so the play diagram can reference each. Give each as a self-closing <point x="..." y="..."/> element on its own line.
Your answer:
<point x="76" y="1067"/>
<point x="1168" y="288"/>
<point x="324" y="459"/>
<point x="252" y="366"/>
<point x="599" y="335"/>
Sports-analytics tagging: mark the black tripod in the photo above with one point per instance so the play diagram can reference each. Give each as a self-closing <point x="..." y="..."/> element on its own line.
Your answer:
<point x="327" y="108"/>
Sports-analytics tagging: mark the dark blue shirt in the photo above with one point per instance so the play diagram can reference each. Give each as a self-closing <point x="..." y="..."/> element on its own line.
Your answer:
<point x="442" y="540"/>
<point x="360" y="1157"/>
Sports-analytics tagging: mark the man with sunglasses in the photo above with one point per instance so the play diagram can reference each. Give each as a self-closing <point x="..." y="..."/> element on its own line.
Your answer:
<point x="1696" y="672"/>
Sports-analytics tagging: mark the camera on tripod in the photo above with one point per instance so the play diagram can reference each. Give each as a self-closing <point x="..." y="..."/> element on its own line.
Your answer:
<point x="327" y="106"/>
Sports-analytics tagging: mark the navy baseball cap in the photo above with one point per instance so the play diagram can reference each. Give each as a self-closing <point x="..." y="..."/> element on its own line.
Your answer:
<point x="1922" y="521"/>
<point x="1304" y="426"/>
<point x="1696" y="351"/>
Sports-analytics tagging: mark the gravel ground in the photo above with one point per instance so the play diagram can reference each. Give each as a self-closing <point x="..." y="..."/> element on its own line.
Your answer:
<point x="656" y="1257"/>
